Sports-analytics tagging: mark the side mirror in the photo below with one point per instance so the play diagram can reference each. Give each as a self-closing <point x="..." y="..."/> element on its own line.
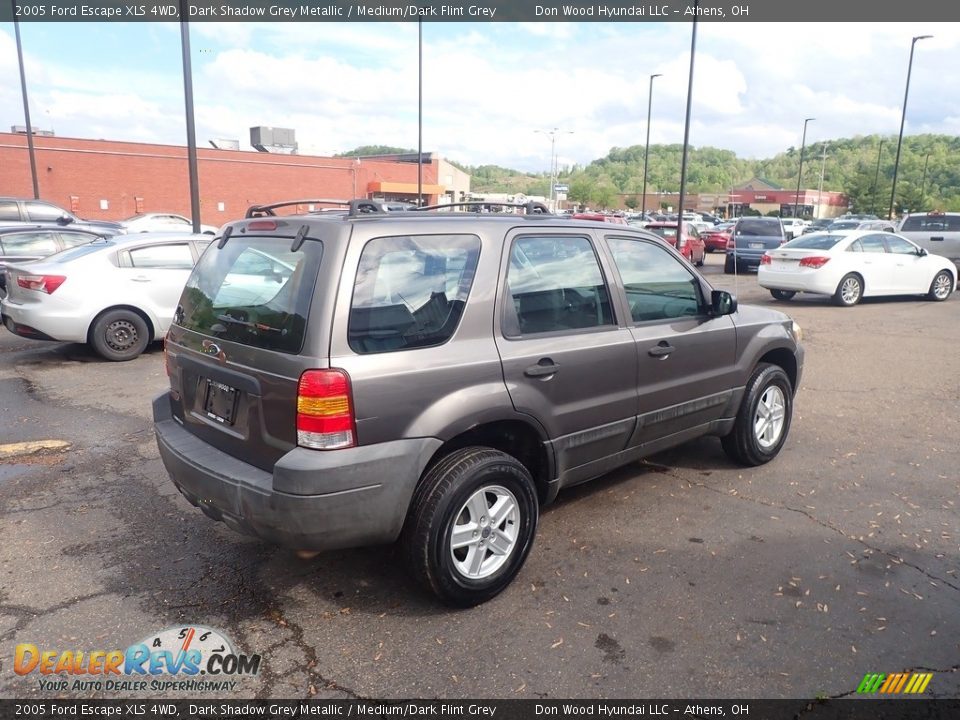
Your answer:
<point x="64" y="219"/>
<point x="722" y="303"/>
<point x="922" y="252"/>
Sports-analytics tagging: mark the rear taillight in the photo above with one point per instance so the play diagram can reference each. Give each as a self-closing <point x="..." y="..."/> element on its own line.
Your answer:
<point x="43" y="283"/>
<point x="766" y="259"/>
<point x="815" y="261"/>
<point x="325" y="418"/>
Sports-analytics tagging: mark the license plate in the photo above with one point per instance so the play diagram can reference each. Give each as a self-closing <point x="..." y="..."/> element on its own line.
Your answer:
<point x="220" y="402"/>
<point x="756" y="246"/>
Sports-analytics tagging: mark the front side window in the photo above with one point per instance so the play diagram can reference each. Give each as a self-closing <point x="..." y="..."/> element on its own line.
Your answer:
<point x="658" y="287"/>
<point x="166" y="257"/>
<point x="32" y="243"/>
<point x="899" y="246"/>
<point x="556" y="285"/>
<point x="410" y="291"/>
<point x="72" y="239"/>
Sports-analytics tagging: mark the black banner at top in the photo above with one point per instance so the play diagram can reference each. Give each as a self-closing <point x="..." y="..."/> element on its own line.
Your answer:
<point x="852" y="11"/>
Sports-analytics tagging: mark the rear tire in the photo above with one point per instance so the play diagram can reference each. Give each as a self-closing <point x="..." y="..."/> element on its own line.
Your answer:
<point x="119" y="335"/>
<point x="463" y="559"/>
<point x="941" y="287"/>
<point x="849" y="291"/>
<point x="729" y="266"/>
<point x="782" y="294"/>
<point x="763" y="420"/>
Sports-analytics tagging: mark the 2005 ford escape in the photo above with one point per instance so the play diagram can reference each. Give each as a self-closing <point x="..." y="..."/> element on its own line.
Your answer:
<point x="359" y="377"/>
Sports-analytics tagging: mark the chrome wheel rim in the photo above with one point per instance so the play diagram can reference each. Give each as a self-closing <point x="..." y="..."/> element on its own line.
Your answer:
<point x="850" y="290"/>
<point x="484" y="533"/>
<point x="769" y="418"/>
<point x="121" y="335"/>
<point x="941" y="286"/>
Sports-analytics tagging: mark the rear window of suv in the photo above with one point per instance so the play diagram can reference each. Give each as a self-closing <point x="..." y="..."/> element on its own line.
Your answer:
<point x="410" y="291"/>
<point x="923" y="223"/>
<point x="759" y="228"/>
<point x="254" y="290"/>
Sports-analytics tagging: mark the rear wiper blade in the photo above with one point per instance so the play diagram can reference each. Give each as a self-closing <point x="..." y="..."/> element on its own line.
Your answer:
<point x="248" y="324"/>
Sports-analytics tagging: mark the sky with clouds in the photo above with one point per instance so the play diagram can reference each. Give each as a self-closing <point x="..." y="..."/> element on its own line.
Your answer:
<point x="488" y="87"/>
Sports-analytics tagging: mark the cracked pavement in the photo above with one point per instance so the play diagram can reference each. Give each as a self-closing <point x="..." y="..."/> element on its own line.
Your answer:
<point x="683" y="576"/>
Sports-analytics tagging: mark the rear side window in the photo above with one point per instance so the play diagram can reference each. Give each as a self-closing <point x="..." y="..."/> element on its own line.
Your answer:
<point x="254" y="291"/>
<point x="162" y="257"/>
<point x="410" y="291"/>
<point x="556" y="286"/>
<point x="9" y="210"/>
<point x="33" y="243"/>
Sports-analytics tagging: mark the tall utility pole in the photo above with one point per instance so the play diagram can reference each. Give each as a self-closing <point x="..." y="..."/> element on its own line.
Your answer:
<point x="876" y="179"/>
<point x="803" y="144"/>
<point x="553" y="132"/>
<point x="823" y="165"/>
<point x="903" y="119"/>
<point x="646" y="152"/>
<point x="420" y="113"/>
<point x="26" y="105"/>
<point x="686" y="126"/>
<point x="191" y="128"/>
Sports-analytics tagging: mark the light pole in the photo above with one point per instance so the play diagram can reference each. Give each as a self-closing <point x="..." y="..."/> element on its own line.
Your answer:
<point x="803" y="144"/>
<point x="192" y="172"/>
<point x="420" y="113"/>
<point x="553" y="132"/>
<point x="26" y="105"/>
<point x="686" y="126"/>
<point x="903" y="118"/>
<point x="876" y="179"/>
<point x="646" y="152"/>
<point x="823" y="166"/>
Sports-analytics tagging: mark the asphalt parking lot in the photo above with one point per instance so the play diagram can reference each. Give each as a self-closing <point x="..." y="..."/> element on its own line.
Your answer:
<point x="681" y="577"/>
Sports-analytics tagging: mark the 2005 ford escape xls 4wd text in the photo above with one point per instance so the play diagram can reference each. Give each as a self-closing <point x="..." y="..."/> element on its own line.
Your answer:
<point x="352" y="378"/>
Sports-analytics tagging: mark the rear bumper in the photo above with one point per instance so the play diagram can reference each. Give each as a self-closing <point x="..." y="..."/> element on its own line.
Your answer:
<point x="345" y="498"/>
<point x="816" y="282"/>
<point x="46" y="321"/>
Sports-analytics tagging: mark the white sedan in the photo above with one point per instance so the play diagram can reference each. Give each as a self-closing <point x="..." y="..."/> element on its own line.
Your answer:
<point x="850" y="265"/>
<point x="163" y="222"/>
<point x="118" y="293"/>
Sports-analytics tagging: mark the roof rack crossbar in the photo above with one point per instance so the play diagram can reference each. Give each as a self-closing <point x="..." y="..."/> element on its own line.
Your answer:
<point x="268" y="209"/>
<point x="530" y="208"/>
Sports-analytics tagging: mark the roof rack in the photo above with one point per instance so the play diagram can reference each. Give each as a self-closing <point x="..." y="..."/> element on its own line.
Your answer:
<point x="530" y="208"/>
<point x="359" y="206"/>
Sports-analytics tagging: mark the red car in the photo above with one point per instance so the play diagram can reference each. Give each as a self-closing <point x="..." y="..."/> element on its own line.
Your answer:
<point x="691" y="245"/>
<point x="717" y="237"/>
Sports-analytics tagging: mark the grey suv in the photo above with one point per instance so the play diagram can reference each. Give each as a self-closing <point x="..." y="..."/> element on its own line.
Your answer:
<point x="749" y="240"/>
<point x="341" y="380"/>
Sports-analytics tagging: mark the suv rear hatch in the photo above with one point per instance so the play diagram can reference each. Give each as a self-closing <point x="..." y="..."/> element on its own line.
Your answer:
<point x="240" y="339"/>
<point x="753" y="236"/>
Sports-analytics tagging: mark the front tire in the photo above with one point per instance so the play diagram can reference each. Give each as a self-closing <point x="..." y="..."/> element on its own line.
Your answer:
<point x="119" y="335"/>
<point x="782" y="294"/>
<point x="941" y="287"/>
<point x="849" y="291"/>
<point x="471" y="525"/>
<point x="763" y="420"/>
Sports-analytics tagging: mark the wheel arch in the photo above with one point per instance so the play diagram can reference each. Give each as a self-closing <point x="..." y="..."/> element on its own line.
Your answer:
<point x="784" y="358"/>
<point x="516" y="437"/>
<point x="151" y="326"/>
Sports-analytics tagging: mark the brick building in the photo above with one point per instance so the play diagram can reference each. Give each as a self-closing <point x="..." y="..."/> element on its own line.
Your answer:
<point x="102" y="179"/>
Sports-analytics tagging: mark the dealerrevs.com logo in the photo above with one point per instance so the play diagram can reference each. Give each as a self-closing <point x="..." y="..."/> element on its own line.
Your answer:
<point x="174" y="659"/>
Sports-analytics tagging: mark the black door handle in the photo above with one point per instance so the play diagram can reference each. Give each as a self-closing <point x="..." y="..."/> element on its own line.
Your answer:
<point x="545" y="367"/>
<point x="661" y="350"/>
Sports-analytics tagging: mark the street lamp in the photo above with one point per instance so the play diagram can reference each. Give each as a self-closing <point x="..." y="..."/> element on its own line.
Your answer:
<point x="553" y="132"/>
<point x="903" y="118"/>
<point x="803" y="144"/>
<point x="646" y="152"/>
<point x="26" y="105"/>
